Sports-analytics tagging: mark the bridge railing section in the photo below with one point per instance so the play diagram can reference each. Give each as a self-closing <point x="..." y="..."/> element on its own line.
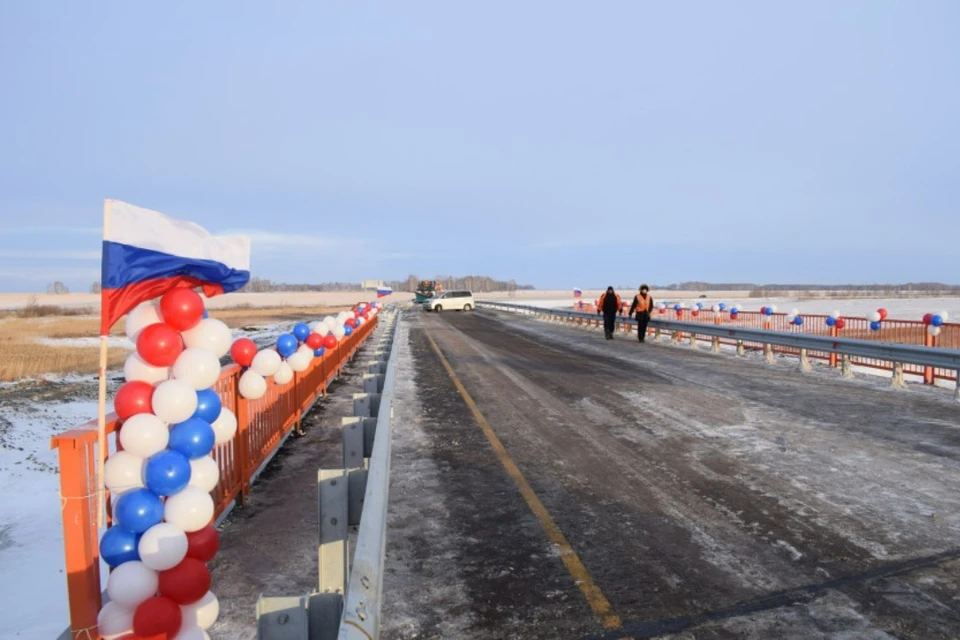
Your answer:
<point x="262" y="426"/>
<point x="902" y="347"/>
<point x="347" y="602"/>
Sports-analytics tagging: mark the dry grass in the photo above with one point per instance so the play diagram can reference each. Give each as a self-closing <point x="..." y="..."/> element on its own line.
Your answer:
<point x="22" y="356"/>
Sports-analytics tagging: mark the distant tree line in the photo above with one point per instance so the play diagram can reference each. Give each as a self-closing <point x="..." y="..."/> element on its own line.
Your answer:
<point x="477" y="284"/>
<point x="758" y="290"/>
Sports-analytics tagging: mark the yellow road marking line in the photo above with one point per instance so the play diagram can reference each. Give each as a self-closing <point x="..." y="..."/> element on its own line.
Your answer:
<point x="597" y="601"/>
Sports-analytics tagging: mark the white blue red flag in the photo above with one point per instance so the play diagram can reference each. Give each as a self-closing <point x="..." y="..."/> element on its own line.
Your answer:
<point x="145" y="254"/>
<point x="382" y="292"/>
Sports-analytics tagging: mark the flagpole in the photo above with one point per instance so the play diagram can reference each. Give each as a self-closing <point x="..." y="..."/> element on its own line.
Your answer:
<point x="102" y="409"/>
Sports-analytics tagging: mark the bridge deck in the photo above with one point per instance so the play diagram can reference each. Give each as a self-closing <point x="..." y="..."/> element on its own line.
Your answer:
<point x="703" y="496"/>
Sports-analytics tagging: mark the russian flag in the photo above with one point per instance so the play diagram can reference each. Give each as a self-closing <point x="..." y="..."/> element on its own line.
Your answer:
<point x="577" y="292"/>
<point x="145" y="254"/>
<point x="383" y="291"/>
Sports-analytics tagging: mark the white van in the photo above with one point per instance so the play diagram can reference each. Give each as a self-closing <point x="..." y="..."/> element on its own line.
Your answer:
<point x="450" y="301"/>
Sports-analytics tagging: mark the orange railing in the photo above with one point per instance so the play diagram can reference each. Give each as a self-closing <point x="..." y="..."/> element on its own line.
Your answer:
<point x="262" y="425"/>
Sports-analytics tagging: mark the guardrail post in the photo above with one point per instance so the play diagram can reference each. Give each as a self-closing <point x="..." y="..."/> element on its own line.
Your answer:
<point x="332" y="488"/>
<point x="846" y="367"/>
<point x="740" y="350"/>
<point x="373" y="382"/>
<point x="675" y="337"/>
<point x="715" y="344"/>
<point x="898" y="380"/>
<point x="804" y="361"/>
<point x="656" y="335"/>
<point x="768" y="353"/>
<point x="284" y="618"/>
<point x="352" y="442"/>
<point x="693" y="341"/>
<point x="957" y="392"/>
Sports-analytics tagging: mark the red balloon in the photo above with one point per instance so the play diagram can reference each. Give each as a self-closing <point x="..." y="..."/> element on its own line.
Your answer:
<point x="203" y="544"/>
<point x="181" y="308"/>
<point x="928" y="318"/>
<point x="662" y="311"/>
<point x="156" y="616"/>
<point x="185" y="583"/>
<point x="133" y="398"/>
<point x="763" y="310"/>
<point x="330" y="341"/>
<point x="841" y="323"/>
<point x="242" y="351"/>
<point x="314" y="341"/>
<point x="159" y="344"/>
<point x="352" y="322"/>
<point x="883" y="313"/>
<point x="695" y="313"/>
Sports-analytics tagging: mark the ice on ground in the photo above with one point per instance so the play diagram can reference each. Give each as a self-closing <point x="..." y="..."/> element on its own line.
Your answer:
<point x="121" y="342"/>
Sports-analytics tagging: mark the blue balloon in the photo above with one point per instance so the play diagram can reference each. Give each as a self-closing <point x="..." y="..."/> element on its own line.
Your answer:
<point x="723" y="305"/>
<point x="768" y="311"/>
<point x="137" y="510"/>
<point x="798" y="320"/>
<point x="937" y="320"/>
<point x="301" y="331"/>
<point x="208" y="406"/>
<point x="206" y="314"/>
<point x="875" y="326"/>
<point x="318" y="352"/>
<point x="118" y="546"/>
<point x="676" y="307"/>
<point x="347" y="329"/>
<point x="699" y="305"/>
<point x="831" y="321"/>
<point x="287" y="345"/>
<point x="167" y="472"/>
<point x="193" y="437"/>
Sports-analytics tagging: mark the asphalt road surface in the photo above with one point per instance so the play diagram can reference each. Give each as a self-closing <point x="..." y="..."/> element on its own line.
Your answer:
<point x="656" y="491"/>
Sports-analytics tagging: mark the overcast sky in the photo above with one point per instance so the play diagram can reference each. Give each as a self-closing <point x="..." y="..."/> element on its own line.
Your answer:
<point x="557" y="143"/>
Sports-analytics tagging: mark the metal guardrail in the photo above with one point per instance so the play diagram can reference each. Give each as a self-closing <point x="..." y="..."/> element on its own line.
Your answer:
<point x="892" y="352"/>
<point x="347" y="602"/>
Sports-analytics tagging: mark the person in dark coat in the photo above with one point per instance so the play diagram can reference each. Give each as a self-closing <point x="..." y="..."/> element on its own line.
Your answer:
<point x="642" y="306"/>
<point x="609" y="305"/>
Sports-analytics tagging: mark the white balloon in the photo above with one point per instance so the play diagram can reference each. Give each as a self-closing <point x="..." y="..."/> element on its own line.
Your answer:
<point x="192" y="633"/>
<point x="305" y="350"/>
<point x="773" y="308"/>
<point x="790" y="318"/>
<point x="944" y="315"/>
<point x="252" y="385"/>
<point x="299" y="362"/>
<point x="225" y="426"/>
<point x="136" y="368"/>
<point x="210" y="334"/>
<point x="191" y="509"/>
<point x="204" y="473"/>
<point x="144" y="435"/>
<point x="795" y="312"/>
<point x="142" y="315"/>
<point x="933" y="331"/>
<point x="131" y="583"/>
<point x="339" y="331"/>
<point x="174" y="401"/>
<point x="284" y="374"/>
<point x="321" y="329"/>
<point x="715" y="308"/>
<point x="162" y="546"/>
<point x="123" y="471"/>
<point x="330" y="321"/>
<point x="202" y="613"/>
<point x="266" y="362"/>
<point x="875" y="316"/>
<point x="835" y="315"/>
<point x="114" y="621"/>
<point x="199" y="368"/>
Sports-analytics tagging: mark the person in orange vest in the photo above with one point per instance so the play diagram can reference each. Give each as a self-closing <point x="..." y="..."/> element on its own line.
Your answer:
<point x="642" y="305"/>
<point x="609" y="304"/>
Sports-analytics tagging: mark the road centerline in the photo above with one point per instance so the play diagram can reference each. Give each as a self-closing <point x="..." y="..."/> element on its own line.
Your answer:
<point x="595" y="598"/>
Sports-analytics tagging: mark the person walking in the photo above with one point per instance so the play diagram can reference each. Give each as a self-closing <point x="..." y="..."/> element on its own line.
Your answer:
<point x="642" y="305"/>
<point x="609" y="305"/>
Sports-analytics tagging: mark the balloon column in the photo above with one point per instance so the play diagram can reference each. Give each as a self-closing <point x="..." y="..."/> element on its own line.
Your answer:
<point x="160" y="482"/>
